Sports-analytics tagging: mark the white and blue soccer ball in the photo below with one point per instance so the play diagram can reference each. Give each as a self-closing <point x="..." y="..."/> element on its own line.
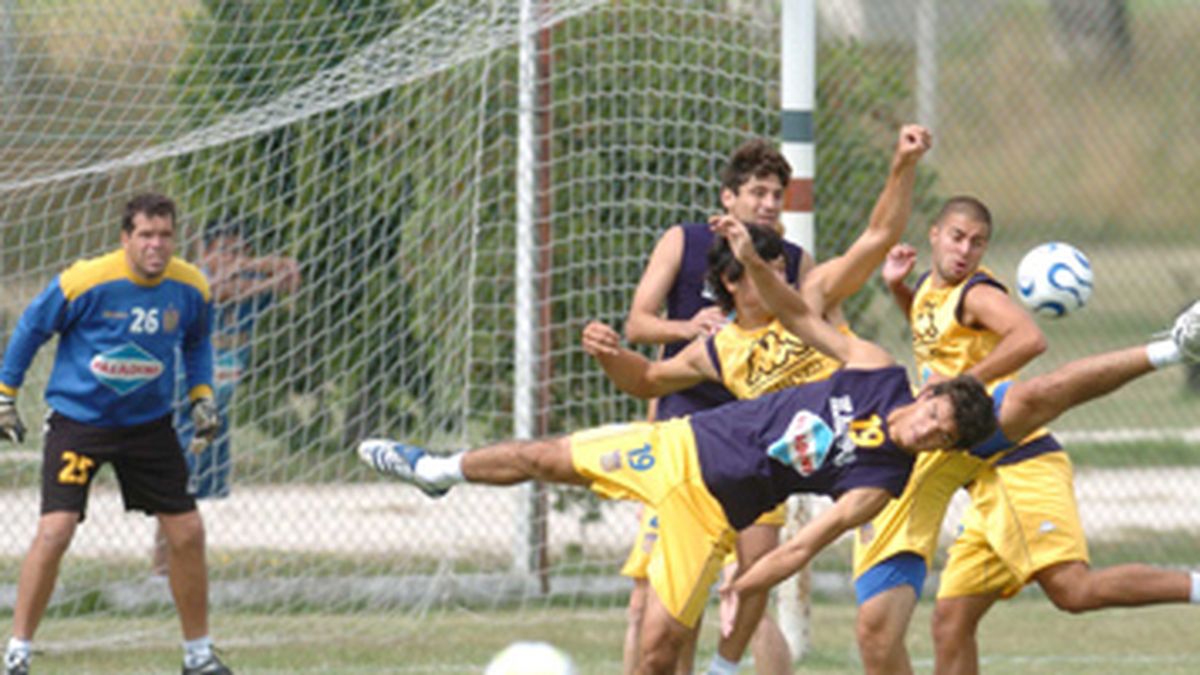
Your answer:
<point x="1054" y="279"/>
<point x="531" y="658"/>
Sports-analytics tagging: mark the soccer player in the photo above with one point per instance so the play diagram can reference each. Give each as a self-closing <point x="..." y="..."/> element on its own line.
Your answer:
<point x="671" y="307"/>
<point x="851" y="436"/>
<point x="120" y="319"/>
<point x="243" y="286"/>
<point x="964" y="322"/>
<point x="753" y="354"/>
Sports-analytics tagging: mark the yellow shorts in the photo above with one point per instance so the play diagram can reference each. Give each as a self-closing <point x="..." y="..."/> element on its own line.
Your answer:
<point x="656" y="464"/>
<point x="912" y="522"/>
<point x="643" y="546"/>
<point x="1022" y="519"/>
<point x="638" y="560"/>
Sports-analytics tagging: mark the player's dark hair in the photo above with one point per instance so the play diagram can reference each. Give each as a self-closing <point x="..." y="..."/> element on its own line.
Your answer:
<point x="968" y="207"/>
<point x="756" y="158"/>
<point x="723" y="265"/>
<point x="222" y="227"/>
<point x="149" y="204"/>
<point x="973" y="413"/>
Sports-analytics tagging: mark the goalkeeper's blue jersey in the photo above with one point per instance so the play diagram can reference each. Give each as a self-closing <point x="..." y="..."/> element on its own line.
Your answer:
<point x="118" y="336"/>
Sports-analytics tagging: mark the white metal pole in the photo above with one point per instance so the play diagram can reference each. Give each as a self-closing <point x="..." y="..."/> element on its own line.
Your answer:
<point x="927" y="63"/>
<point x="524" y="547"/>
<point x="798" y="93"/>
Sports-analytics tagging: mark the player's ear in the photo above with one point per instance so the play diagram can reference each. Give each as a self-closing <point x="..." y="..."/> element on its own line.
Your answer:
<point x="728" y="197"/>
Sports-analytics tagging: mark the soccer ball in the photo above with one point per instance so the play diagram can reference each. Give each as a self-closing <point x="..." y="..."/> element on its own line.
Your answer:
<point x="531" y="658"/>
<point x="1054" y="279"/>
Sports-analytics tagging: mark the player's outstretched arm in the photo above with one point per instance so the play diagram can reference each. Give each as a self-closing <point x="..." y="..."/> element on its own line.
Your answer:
<point x="638" y="376"/>
<point x="791" y="308"/>
<point x="1035" y="402"/>
<point x="838" y="278"/>
<point x="852" y="509"/>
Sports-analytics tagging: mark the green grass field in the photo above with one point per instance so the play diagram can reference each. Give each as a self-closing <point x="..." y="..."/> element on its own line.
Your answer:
<point x="1023" y="636"/>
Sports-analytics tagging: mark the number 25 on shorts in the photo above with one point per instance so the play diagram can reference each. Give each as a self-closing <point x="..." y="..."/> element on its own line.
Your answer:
<point x="75" y="468"/>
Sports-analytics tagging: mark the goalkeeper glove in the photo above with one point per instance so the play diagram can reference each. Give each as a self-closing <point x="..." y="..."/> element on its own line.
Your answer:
<point x="206" y="422"/>
<point x="10" y="421"/>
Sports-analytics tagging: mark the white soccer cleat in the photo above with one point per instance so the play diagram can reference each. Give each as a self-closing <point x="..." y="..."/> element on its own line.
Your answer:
<point x="398" y="460"/>
<point x="1186" y="333"/>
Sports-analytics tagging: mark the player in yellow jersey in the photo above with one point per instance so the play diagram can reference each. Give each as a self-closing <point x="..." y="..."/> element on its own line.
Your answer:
<point x="963" y="322"/>
<point x="754" y="354"/>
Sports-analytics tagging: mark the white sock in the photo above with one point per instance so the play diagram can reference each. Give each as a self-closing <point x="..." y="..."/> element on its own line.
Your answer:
<point x="441" y="470"/>
<point x="1163" y="353"/>
<point x="1195" y="591"/>
<point x="196" y="652"/>
<point x="18" y="646"/>
<point x="720" y="666"/>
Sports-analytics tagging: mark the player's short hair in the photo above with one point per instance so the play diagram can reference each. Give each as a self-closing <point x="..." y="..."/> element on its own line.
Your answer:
<point x="756" y="158"/>
<point x="973" y="411"/>
<point x="722" y="264"/>
<point x="149" y="204"/>
<point x="967" y="206"/>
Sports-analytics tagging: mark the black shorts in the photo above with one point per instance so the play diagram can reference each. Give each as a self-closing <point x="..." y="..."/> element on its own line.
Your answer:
<point x="149" y="463"/>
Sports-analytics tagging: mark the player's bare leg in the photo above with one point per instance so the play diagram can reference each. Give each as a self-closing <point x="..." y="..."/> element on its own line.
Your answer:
<point x="955" y="625"/>
<point x="770" y="648"/>
<point x="503" y="463"/>
<point x="634" y="614"/>
<point x="752" y="543"/>
<point x="39" y="570"/>
<point x="1075" y="587"/>
<point x="186" y="570"/>
<point x="881" y="626"/>
<point x="663" y="639"/>
<point x="1033" y="403"/>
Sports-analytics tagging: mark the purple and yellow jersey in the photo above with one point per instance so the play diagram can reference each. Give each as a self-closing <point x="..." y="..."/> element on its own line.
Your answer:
<point x="753" y="362"/>
<point x="825" y="438"/>
<point x="688" y="295"/>
<point x="118" y="336"/>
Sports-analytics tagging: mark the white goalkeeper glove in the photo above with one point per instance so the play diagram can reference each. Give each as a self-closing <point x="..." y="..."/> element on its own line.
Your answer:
<point x="10" y="421"/>
<point x="206" y="422"/>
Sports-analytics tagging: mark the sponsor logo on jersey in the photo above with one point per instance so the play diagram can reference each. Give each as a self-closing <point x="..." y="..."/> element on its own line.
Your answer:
<point x="126" y="368"/>
<point x="115" y="315"/>
<point x="227" y="370"/>
<point x="805" y="444"/>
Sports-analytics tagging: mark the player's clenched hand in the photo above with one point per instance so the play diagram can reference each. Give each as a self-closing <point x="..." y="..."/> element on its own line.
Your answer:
<point x="899" y="263"/>
<point x="10" y="421"/>
<point x="915" y="140"/>
<point x="600" y="339"/>
<point x="735" y="232"/>
<point x="206" y="422"/>
<point x="707" y="321"/>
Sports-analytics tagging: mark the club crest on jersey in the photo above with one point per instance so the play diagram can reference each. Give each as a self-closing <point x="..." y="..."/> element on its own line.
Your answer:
<point x="126" y="368"/>
<point x="170" y="320"/>
<point x="805" y="445"/>
<point x="611" y="461"/>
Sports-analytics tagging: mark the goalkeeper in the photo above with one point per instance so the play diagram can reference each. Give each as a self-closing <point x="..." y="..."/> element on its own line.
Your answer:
<point x="120" y="319"/>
